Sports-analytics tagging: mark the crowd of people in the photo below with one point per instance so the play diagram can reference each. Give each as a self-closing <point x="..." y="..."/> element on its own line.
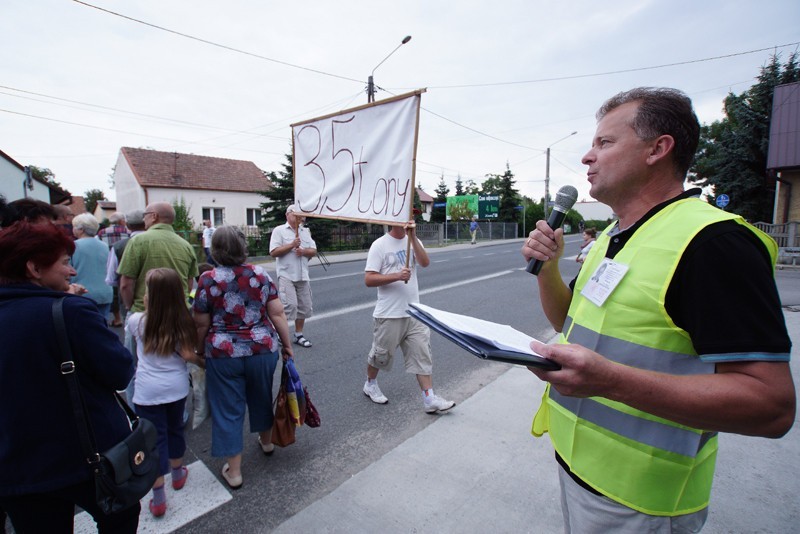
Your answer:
<point x="46" y="256"/>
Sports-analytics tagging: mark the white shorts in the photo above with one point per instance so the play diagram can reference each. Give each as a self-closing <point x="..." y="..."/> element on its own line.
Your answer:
<point x="413" y="338"/>
<point x="296" y="298"/>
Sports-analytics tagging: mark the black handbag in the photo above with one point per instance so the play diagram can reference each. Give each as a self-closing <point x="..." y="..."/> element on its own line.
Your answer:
<point x="126" y="472"/>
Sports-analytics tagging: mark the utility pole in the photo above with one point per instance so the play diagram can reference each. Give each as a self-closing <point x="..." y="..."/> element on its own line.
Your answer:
<point x="371" y="81"/>
<point x="547" y="174"/>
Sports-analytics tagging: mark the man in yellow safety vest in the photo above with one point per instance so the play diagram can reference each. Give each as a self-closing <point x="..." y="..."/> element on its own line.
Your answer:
<point x="671" y="332"/>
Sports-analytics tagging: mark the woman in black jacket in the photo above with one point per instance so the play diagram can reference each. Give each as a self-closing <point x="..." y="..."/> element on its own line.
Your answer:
<point x="43" y="470"/>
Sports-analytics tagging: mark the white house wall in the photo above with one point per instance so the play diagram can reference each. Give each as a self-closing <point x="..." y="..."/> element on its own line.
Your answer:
<point x="233" y="204"/>
<point x="130" y="195"/>
<point x="11" y="179"/>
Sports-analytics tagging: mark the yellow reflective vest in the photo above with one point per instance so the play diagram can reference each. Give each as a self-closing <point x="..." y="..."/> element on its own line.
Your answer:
<point x="647" y="463"/>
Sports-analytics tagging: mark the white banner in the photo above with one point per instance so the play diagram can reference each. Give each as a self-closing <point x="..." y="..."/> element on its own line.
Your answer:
<point x="358" y="164"/>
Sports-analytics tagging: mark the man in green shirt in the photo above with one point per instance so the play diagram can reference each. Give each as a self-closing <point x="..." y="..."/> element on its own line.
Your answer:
<point x="159" y="246"/>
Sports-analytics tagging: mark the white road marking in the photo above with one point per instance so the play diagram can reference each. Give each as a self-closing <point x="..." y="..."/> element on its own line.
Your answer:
<point x="371" y="304"/>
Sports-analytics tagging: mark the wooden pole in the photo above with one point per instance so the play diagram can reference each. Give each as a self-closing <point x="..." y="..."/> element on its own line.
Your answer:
<point x="413" y="184"/>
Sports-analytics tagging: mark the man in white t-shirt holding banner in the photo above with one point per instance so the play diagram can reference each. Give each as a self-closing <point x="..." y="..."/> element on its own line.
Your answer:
<point x="395" y="276"/>
<point x="358" y="165"/>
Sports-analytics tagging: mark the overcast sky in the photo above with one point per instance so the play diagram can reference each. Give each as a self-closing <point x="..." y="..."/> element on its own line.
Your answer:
<point x="505" y="79"/>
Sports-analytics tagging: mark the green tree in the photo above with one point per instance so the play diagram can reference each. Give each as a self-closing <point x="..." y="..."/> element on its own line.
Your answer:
<point x="472" y="188"/>
<point x="533" y="213"/>
<point x="183" y="222"/>
<point x="279" y="197"/>
<point x="491" y="185"/>
<point x="732" y="154"/>
<point x="91" y="198"/>
<point x="502" y="185"/>
<point x="459" y="186"/>
<point x="438" y="215"/>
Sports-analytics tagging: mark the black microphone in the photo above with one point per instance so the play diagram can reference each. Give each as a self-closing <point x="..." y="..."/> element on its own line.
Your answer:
<point x="565" y="199"/>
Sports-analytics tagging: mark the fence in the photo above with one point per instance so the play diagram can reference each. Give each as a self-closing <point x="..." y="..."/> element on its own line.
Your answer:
<point x="340" y="238"/>
<point x="787" y="237"/>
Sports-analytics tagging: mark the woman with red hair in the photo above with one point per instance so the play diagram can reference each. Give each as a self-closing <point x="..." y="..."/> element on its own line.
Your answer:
<point x="43" y="469"/>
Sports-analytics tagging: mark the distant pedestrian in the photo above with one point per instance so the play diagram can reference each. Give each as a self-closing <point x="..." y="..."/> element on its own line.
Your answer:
<point x="473" y="229"/>
<point x="208" y="232"/>
<point x="392" y="326"/>
<point x="292" y="247"/>
<point x="166" y="339"/>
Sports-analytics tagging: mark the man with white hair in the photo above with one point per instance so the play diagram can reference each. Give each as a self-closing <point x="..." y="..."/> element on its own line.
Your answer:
<point x="292" y="247"/>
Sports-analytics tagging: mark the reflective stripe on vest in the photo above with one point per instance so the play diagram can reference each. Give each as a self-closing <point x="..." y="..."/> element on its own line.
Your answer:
<point x="648" y="463"/>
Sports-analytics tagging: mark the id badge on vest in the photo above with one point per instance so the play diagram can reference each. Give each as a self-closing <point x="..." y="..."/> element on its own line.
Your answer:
<point x="604" y="281"/>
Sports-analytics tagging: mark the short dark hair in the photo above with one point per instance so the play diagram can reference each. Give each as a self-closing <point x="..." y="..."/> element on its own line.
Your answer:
<point x="42" y="243"/>
<point x="28" y="209"/>
<point x="662" y="111"/>
<point x="229" y="246"/>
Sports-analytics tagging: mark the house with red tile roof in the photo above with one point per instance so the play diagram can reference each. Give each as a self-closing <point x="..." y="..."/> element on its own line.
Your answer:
<point x="427" y="204"/>
<point x="226" y="191"/>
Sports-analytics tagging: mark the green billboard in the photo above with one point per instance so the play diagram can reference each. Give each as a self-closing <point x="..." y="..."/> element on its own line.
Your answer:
<point x="488" y="207"/>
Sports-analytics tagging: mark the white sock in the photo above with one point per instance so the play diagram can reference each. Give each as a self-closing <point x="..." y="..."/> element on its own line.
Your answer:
<point x="427" y="393"/>
<point x="298" y="334"/>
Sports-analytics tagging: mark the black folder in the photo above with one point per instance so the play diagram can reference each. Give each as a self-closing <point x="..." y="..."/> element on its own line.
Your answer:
<point x="479" y="347"/>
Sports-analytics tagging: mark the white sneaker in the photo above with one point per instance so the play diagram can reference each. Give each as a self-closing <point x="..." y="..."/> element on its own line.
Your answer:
<point x="374" y="393"/>
<point x="435" y="403"/>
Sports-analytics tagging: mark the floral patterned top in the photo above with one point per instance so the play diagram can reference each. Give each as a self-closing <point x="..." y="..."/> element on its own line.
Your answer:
<point x="236" y="298"/>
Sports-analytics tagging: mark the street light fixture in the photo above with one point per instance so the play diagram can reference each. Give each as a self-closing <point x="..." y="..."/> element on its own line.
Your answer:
<point x="547" y="173"/>
<point x="370" y="83"/>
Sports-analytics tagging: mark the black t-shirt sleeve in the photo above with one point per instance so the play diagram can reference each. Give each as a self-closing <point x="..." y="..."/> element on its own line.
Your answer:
<point x="723" y="294"/>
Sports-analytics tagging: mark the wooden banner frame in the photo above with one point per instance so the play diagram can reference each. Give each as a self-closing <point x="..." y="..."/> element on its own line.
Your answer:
<point x="409" y="194"/>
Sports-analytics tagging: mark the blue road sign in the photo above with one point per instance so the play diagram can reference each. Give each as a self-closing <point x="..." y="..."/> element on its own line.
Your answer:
<point x="723" y="200"/>
<point x="440" y="204"/>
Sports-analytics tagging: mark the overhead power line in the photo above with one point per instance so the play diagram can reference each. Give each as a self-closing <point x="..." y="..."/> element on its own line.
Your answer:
<point x="93" y="127"/>
<point x="456" y="86"/>
<point x="609" y="73"/>
<point x="218" y="45"/>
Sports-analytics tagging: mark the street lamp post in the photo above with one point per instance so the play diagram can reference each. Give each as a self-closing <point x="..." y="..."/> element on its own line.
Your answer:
<point x="547" y="173"/>
<point x="370" y="81"/>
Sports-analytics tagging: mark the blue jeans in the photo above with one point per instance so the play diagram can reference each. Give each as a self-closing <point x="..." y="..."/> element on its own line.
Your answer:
<point x="168" y="420"/>
<point x="233" y="384"/>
